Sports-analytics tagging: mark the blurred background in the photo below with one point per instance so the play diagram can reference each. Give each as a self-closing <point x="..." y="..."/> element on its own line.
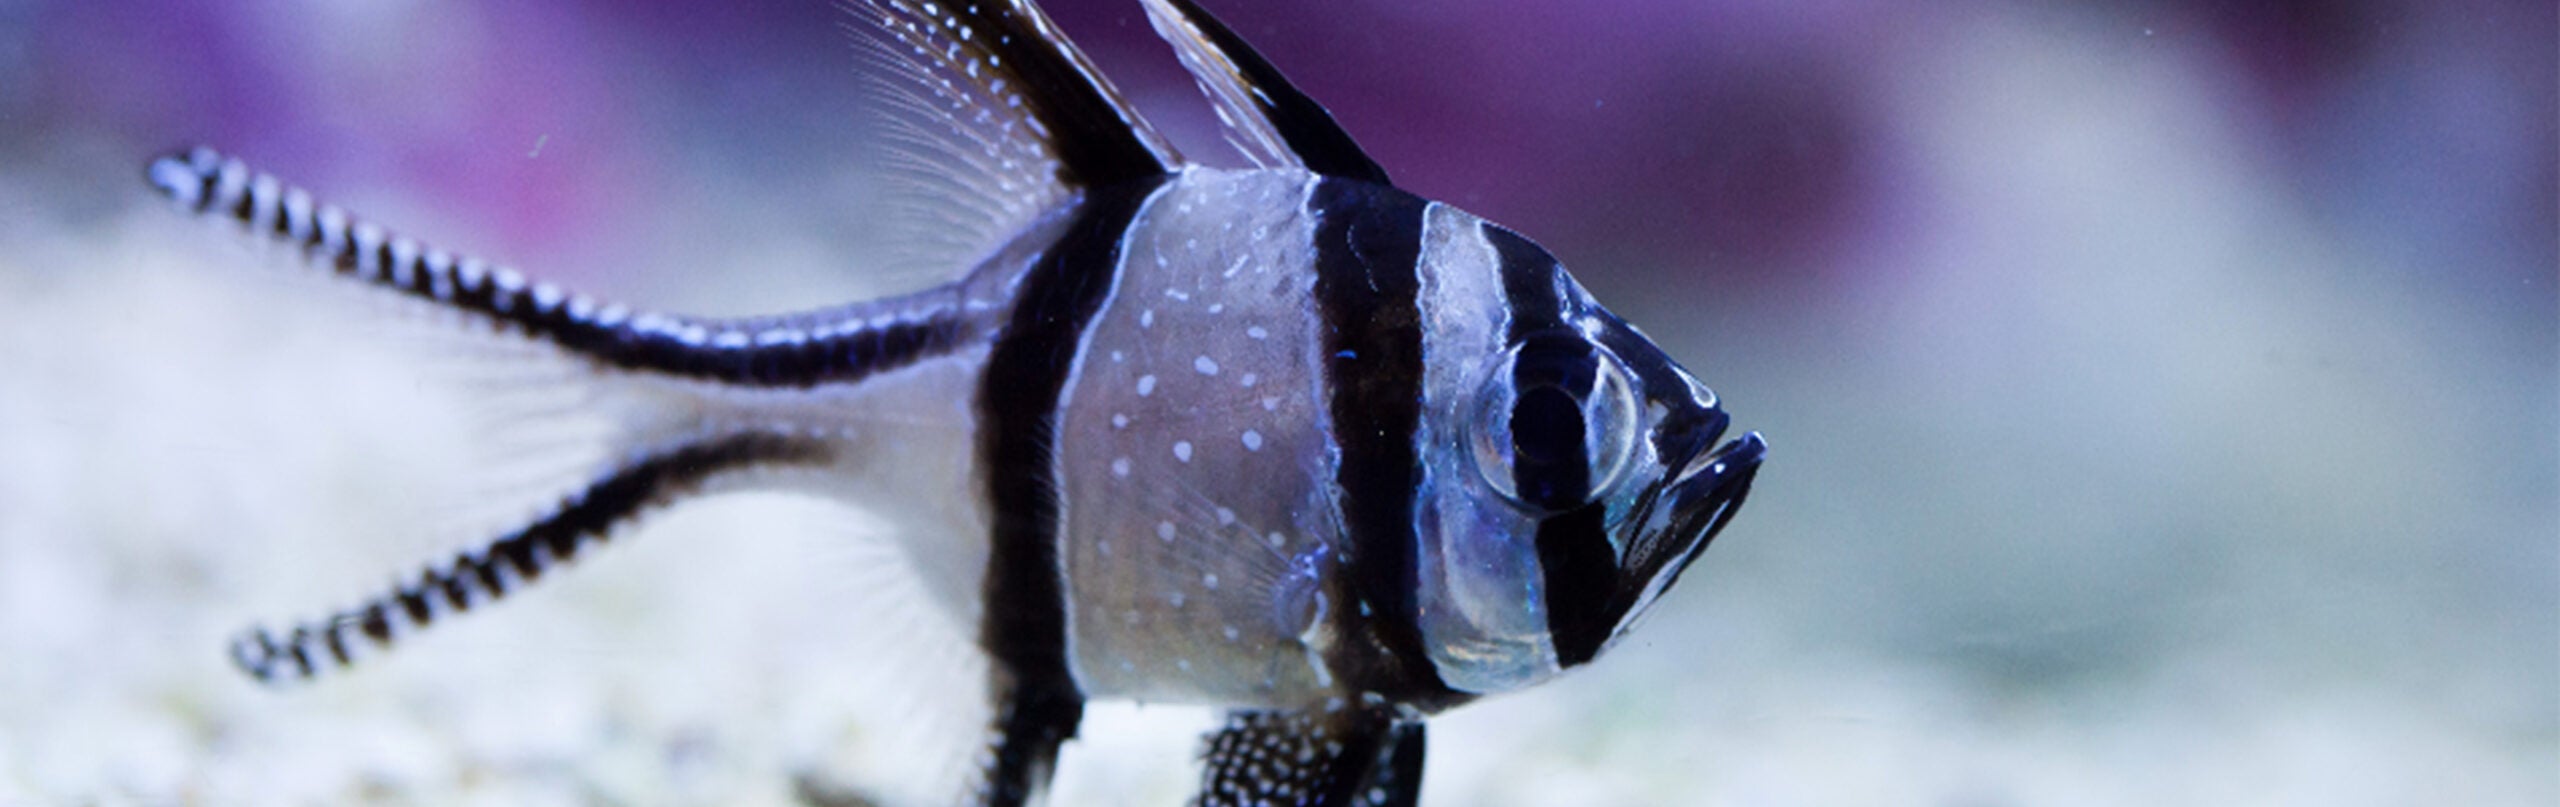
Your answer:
<point x="2162" y="394"/>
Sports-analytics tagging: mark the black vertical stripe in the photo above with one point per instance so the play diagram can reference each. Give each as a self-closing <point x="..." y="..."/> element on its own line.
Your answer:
<point x="1368" y="245"/>
<point x="1582" y="581"/>
<point x="1552" y="377"/>
<point x="1024" y="626"/>
<point x="1532" y="282"/>
<point x="1579" y="567"/>
<point x="1539" y="292"/>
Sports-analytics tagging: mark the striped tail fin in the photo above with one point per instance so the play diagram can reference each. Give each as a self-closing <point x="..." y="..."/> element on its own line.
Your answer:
<point x="792" y="351"/>
<point x="480" y="576"/>
<point x="687" y="402"/>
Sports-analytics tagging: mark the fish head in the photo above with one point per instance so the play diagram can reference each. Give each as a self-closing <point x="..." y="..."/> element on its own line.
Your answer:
<point x="1573" y="469"/>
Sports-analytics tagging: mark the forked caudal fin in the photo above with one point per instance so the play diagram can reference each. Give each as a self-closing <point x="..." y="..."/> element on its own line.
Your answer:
<point x="480" y="576"/>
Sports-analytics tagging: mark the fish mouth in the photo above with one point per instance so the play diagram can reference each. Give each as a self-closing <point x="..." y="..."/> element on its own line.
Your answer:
<point x="1712" y="488"/>
<point x="1694" y="507"/>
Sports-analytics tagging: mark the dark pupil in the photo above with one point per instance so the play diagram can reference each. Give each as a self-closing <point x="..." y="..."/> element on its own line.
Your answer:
<point x="1548" y="465"/>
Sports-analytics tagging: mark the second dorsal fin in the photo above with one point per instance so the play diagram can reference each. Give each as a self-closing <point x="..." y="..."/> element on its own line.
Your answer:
<point x="1267" y="118"/>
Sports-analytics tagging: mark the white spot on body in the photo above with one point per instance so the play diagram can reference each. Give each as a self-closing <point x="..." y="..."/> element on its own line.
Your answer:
<point x="1257" y="332"/>
<point x="1182" y="450"/>
<point x="1209" y="581"/>
<point x="1146" y="385"/>
<point x="1147" y="318"/>
<point x="1252" y="440"/>
<point x="1119" y="421"/>
<point x="1164" y="531"/>
<point x="1120" y="467"/>
<point x="1205" y="365"/>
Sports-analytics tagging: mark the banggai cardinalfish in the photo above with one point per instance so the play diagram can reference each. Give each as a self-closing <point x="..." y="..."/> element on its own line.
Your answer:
<point x="1287" y="441"/>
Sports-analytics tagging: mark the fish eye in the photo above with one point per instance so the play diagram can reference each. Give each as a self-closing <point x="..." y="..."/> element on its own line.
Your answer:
<point x="1555" y="423"/>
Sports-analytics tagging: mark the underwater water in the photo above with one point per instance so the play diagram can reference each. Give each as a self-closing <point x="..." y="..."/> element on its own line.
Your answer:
<point x="2164" y="398"/>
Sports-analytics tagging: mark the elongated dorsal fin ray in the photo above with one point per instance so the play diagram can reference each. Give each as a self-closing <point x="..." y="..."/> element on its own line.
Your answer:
<point x="990" y="118"/>
<point x="1267" y="118"/>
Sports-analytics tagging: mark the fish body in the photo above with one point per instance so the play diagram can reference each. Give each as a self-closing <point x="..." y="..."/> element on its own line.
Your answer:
<point x="1286" y="440"/>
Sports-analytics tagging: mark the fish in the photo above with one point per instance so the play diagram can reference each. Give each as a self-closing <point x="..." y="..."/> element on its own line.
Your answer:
<point x="1282" y="439"/>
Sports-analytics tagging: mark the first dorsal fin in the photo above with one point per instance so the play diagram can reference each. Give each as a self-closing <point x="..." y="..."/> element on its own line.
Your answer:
<point x="992" y="118"/>
<point x="1267" y="118"/>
